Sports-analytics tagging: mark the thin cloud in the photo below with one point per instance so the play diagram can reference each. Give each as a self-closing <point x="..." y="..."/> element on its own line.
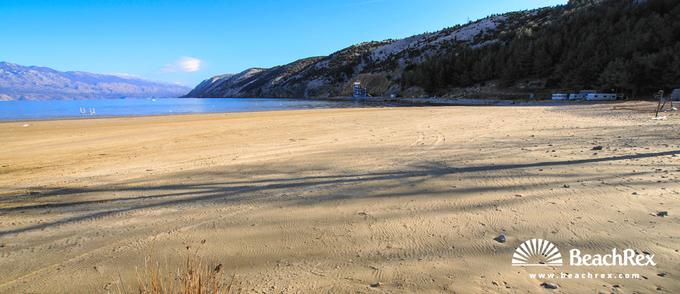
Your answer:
<point x="183" y="64"/>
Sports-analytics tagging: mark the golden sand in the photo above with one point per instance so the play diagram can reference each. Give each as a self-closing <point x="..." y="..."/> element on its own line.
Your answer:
<point x="343" y="200"/>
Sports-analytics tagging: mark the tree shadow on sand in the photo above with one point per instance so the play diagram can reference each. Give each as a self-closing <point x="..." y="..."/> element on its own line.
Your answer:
<point x="257" y="189"/>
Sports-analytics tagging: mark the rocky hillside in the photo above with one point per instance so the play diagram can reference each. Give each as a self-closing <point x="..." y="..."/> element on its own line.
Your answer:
<point x="378" y="65"/>
<point x="42" y="83"/>
<point x="518" y="52"/>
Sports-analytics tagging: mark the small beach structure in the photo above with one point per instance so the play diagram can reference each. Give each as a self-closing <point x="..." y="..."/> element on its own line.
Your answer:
<point x="675" y="95"/>
<point x="359" y="91"/>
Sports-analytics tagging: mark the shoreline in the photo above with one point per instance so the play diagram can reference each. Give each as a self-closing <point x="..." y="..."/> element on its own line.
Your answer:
<point x="370" y="102"/>
<point x="438" y="101"/>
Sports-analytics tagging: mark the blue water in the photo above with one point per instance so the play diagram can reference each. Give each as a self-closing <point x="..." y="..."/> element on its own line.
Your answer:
<point x="32" y="110"/>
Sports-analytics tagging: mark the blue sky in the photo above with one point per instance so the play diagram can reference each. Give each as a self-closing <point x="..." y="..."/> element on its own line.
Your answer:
<point x="186" y="41"/>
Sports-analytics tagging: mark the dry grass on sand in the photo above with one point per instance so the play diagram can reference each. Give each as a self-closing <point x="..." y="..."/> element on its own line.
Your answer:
<point x="195" y="276"/>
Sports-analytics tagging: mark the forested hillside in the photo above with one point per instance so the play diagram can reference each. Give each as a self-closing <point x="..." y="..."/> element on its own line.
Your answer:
<point x="628" y="46"/>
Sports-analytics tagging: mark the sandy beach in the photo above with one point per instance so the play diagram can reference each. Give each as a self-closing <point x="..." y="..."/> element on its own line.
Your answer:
<point x="395" y="200"/>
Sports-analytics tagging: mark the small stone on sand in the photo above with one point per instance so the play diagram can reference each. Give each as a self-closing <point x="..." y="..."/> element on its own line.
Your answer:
<point x="549" y="285"/>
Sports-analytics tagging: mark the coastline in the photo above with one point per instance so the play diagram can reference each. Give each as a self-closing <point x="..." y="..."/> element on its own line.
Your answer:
<point x="438" y="101"/>
<point x="369" y="102"/>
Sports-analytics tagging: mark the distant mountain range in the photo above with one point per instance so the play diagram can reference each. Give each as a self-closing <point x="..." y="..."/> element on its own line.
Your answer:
<point x="41" y="83"/>
<point x="630" y="46"/>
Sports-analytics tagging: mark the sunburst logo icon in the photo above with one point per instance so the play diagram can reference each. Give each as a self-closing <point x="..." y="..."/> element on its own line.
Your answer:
<point x="537" y="252"/>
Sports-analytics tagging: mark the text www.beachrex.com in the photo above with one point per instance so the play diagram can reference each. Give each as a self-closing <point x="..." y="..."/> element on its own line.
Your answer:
<point x="567" y="276"/>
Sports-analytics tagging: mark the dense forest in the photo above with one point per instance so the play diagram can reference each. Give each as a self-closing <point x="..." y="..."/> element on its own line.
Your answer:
<point x="631" y="47"/>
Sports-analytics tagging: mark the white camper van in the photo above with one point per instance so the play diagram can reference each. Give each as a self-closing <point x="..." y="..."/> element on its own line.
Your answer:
<point x="581" y="95"/>
<point x="560" y="96"/>
<point x="600" y="97"/>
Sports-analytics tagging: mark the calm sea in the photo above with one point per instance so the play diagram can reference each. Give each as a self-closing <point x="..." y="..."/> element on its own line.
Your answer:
<point x="32" y="110"/>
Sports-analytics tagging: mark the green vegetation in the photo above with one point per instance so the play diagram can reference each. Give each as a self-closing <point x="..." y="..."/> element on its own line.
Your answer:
<point x="630" y="46"/>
